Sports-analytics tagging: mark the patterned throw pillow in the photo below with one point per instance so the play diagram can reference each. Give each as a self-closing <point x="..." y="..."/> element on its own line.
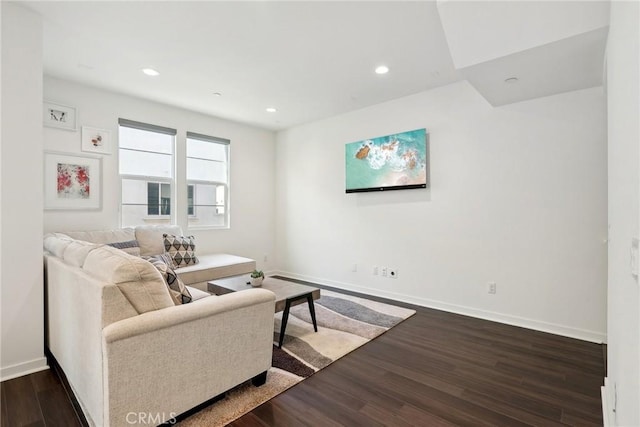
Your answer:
<point x="177" y="289"/>
<point x="132" y="247"/>
<point x="181" y="249"/>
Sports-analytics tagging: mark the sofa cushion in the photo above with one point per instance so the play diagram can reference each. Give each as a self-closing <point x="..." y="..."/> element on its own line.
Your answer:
<point x="181" y="249"/>
<point x="77" y="251"/>
<point x="132" y="247"/>
<point x="150" y="237"/>
<point x="137" y="279"/>
<point x="107" y="236"/>
<point x="214" y="266"/>
<point x="177" y="289"/>
<point x="56" y="243"/>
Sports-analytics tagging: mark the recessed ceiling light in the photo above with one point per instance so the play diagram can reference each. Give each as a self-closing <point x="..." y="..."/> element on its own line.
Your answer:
<point x="150" y="72"/>
<point x="382" y="69"/>
<point x="217" y="94"/>
<point x="271" y="110"/>
<point x="511" y="80"/>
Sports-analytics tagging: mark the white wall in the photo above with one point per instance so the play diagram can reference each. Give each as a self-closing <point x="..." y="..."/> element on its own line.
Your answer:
<point x="21" y="183"/>
<point x="251" y="156"/>
<point x="517" y="196"/>
<point x="623" y="96"/>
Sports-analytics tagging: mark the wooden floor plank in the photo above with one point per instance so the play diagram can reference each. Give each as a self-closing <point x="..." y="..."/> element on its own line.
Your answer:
<point x="576" y="419"/>
<point x="56" y="408"/>
<point x="249" y="420"/>
<point x="4" y="415"/>
<point x="515" y="410"/>
<point x="21" y="402"/>
<point x="44" y="380"/>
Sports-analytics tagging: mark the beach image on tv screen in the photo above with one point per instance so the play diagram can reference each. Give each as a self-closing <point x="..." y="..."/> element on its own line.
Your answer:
<point x="398" y="160"/>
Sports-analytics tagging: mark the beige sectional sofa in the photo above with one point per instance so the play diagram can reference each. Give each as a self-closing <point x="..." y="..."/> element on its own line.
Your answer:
<point x="149" y="237"/>
<point x="128" y="352"/>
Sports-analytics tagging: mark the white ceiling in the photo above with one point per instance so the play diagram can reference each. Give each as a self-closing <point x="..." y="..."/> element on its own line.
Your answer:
<point x="569" y="64"/>
<point x="549" y="46"/>
<point x="310" y="60"/>
<point x="480" y="31"/>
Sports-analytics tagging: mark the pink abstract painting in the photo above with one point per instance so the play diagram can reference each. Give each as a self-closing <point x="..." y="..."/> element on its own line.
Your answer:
<point x="73" y="181"/>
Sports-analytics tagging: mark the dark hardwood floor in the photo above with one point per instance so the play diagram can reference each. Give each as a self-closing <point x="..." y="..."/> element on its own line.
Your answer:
<point x="37" y="400"/>
<point x="443" y="369"/>
<point x="434" y="369"/>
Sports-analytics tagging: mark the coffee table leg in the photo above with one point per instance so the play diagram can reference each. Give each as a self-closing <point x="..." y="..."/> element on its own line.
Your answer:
<point x="312" y="310"/>
<point x="283" y="325"/>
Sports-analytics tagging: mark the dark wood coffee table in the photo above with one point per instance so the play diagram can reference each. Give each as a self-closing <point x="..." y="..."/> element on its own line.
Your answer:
<point x="288" y="294"/>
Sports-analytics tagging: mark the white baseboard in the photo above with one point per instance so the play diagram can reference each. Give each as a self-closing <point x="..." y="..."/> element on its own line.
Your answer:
<point x="567" y="331"/>
<point x="608" y="408"/>
<point x="24" y="368"/>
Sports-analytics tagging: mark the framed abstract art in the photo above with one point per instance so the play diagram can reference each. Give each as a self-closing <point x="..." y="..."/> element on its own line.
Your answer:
<point x="72" y="181"/>
<point x="96" y="140"/>
<point x="59" y="116"/>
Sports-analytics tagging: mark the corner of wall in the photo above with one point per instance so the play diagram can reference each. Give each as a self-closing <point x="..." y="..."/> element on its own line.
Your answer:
<point x="22" y="292"/>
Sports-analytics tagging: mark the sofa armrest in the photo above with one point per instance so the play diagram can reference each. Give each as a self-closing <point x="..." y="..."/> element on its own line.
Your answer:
<point x="165" y="362"/>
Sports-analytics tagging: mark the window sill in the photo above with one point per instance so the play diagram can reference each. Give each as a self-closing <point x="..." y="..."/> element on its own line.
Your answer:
<point x="160" y="219"/>
<point x="208" y="227"/>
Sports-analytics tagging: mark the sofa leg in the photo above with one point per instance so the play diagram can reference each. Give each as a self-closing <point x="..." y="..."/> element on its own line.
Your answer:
<point x="259" y="379"/>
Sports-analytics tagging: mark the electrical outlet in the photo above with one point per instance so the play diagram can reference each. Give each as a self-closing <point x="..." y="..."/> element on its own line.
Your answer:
<point x="354" y="267"/>
<point x="266" y="258"/>
<point x="393" y="273"/>
<point x="491" y="287"/>
<point x="384" y="271"/>
<point x="375" y="270"/>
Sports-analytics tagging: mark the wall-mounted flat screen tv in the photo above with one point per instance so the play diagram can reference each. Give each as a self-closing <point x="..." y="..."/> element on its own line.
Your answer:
<point x="392" y="162"/>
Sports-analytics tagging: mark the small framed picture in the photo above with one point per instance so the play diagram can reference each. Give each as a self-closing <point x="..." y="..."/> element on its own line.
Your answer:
<point x="72" y="181"/>
<point x="96" y="140"/>
<point x="59" y="116"/>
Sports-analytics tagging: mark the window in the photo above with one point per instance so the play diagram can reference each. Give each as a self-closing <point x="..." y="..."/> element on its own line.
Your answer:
<point x="207" y="181"/>
<point x="148" y="182"/>
<point x="158" y="198"/>
<point x="190" y="206"/>
<point x="146" y="172"/>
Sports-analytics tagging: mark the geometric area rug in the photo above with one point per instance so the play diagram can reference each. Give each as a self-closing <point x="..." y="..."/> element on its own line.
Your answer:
<point x="344" y="323"/>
